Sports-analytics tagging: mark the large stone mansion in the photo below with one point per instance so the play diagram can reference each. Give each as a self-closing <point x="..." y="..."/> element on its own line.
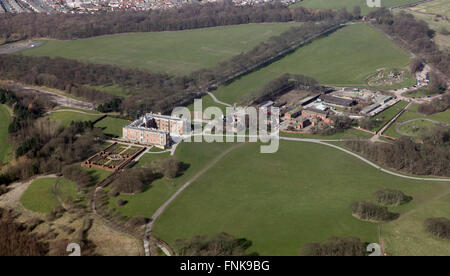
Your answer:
<point x="154" y="129"/>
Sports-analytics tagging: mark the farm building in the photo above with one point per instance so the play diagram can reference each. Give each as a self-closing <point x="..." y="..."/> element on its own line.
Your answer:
<point x="313" y="113"/>
<point x="264" y="107"/>
<point x="370" y="108"/>
<point x="302" y="122"/>
<point x="337" y="101"/>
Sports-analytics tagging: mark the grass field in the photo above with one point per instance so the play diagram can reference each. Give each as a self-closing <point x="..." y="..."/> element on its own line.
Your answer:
<point x="178" y="52"/>
<point x="112" y="126"/>
<point x="5" y="147"/>
<point x="195" y="155"/>
<point x="415" y="128"/>
<point x="349" y="4"/>
<point x="412" y="113"/>
<point x="407" y="236"/>
<point x="147" y="159"/>
<point x="39" y="197"/>
<point x="281" y="201"/>
<point x="344" y="58"/>
<point x="66" y="117"/>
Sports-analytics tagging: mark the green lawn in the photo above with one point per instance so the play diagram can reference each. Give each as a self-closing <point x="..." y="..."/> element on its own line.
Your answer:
<point x="5" y="147"/>
<point x="39" y="197"/>
<point x="148" y="158"/>
<point x="66" y="117"/>
<point x="407" y="236"/>
<point x="417" y="127"/>
<point x="281" y="201"/>
<point x="195" y="155"/>
<point x="349" y="4"/>
<point x="412" y="113"/>
<point x="343" y="58"/>
<point x="112" y="126"/>
<point x="178" y="52"/>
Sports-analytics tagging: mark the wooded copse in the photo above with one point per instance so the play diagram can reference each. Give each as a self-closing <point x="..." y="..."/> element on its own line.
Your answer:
<point x="47" y="146"/>
<point x="14" y="27"/>
<point x="336" y="246"/>
<point x="405" y="155"/>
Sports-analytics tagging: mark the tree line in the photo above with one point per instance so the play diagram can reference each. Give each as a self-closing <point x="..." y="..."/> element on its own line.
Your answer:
<point x="428" y="158"/>
<point x="14" y="27"/>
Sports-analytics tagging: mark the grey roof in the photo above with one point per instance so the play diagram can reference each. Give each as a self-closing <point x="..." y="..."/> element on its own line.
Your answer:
<point x="336" y="100"/>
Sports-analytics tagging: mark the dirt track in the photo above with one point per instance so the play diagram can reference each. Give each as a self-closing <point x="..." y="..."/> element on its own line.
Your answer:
<point x="18" y="46"/>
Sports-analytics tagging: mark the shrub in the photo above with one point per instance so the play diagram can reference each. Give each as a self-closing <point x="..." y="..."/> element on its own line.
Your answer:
<point x="121" y="202"/>
<point x="3" y="189"/>
<point x="391" y="197"/>
<point x="222" y="244"/>
<point x="138" y="221"/>
<point x="438" y="227"/>
<point x="132" y="181"/>
<point x="335" y="246"/>
<point x="369" y="211"/>
<point x="169" y="167"/>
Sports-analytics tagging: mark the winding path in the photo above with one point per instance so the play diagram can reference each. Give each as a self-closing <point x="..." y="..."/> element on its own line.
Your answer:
<point x="218" y="101"/>
<point x="75" y="111"/>
<point x="397" y="128"/>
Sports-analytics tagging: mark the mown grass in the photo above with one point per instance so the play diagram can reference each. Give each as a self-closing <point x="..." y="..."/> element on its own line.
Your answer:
<point x="343" y="58"/>
<point x="66" y="117"/>
<point x="177" y="52"/>
<point x="112" y="126"/>
<point x="39" y="197"/>
<point x="408" y="237"/>
<point x="281" y="201"/>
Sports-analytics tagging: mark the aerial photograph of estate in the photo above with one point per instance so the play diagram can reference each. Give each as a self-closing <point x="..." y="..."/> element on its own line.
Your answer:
<point x="224" y="128"/>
